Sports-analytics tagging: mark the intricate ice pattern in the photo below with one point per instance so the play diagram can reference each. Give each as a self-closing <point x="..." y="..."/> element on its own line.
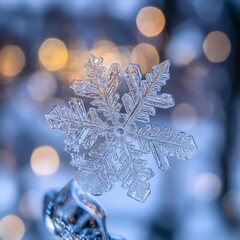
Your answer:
<point x="106" y="144"/>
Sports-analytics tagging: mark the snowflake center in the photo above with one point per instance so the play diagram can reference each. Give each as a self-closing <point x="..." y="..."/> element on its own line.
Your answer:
<point x="119" y="132"/>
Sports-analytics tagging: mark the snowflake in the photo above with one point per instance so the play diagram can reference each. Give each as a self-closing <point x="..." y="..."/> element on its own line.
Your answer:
<point x="106" y="143"/>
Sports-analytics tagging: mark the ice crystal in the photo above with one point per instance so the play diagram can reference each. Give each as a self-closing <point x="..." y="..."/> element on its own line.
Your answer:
<point x="106" y="143"/>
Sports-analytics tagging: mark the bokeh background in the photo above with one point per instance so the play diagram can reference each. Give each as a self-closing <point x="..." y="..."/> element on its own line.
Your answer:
<point x="43" y="47"/>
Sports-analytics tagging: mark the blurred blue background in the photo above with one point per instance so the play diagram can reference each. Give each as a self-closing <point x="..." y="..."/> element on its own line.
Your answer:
<point x="43" y="47"/>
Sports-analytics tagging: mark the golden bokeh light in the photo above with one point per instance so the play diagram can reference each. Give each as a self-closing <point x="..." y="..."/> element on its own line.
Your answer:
<point x="150" y="21"/>
<point x="184" y="116"/>
<point x="11" y="228"/>
<point x="217" y="46"/>
<point x="125" y="52"/>
<point x="12" y="61"/>
<point x="42" y="85"/>
<point x="102" y="47"/>
<point x="146" y="56"/>
<point x="78" y="55"/>
<point x="53" y="54"/>
<point x="75" y="66"/>
<point x="44" y="160"/>
<point x="125" y="55"/>
<point x="112" y="57"/>
<point x="108" y="50"/>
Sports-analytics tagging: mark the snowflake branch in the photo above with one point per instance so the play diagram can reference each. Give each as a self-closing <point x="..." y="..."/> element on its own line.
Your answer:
<point x="164" y="143"/>
<point x="75" y="122"/>
<point x="97" y="166"/>
<point x="144" y="93"/>
<point x="101" y="87"/>
<point x="133" y="173"/>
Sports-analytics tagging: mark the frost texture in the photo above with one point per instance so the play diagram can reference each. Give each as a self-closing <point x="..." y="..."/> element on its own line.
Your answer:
<point x="106" y="144"/>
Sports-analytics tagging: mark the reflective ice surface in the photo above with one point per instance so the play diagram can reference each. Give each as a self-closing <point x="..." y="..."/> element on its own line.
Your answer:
<point x="71" y="215"/>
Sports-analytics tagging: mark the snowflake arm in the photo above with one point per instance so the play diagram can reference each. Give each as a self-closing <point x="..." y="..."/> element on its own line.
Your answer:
<point x="144" y="95"/>
<point x="96" y="172"/>
<point x="133" y="173"/>
<point x="101" y="86"/>
<point x="79" y="127"/>
<point x="164" y="144"/>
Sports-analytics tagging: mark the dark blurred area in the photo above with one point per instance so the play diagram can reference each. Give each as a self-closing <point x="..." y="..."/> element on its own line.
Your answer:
<point x="43" y="47"/>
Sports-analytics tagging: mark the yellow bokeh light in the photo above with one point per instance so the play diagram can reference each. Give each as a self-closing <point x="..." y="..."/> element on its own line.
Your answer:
<point x="102" y="47"/>
<point x="12" y="61"/>
<point x="112" y="57"/>
<point x="108" y="50"/>
<point x="150" y="21"/>
<point x="11" y="228"/>
<point x="75" y="66"/>
<point x="125" y="53"/>
<point x="217" y="46"/>
<point x="53" y="54"/>
<point x="146" y="56"/>
<point x="44" y="160"/>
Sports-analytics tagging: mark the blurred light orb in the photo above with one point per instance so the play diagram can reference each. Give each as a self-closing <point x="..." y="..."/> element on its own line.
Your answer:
<point x="112" y="57"/>
<point x="208" y="11"/>
<point x="230" y="199"/>
<point x="74" y="68"/>
<point x="8" y="159"/>
<point x="31" y="204"/>
<point x="12" y="61"/>
<point x="53" y="54"/>
<point x="11" y="228"/>
<point x="100" y="47"/>
<point x="9" y="195"/>
<point x="108" y="50"/>
<point x="42" y="85"/>
<point x="217" y="46"/>
<point x="44" y="160"/>
<point x="123" y="9"/>
<point x="185" y="45"/>
<point x="207" y="187"/>
<point x="150" y="21"/>
<point x="184" y="116"/>
<point x="146" y="56"/>
<point x="104" y="47"/>
<point x="125" y="52"/>
<point x="197" y="70"/>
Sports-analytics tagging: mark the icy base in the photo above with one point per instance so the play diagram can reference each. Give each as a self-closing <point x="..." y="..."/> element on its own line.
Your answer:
<point x="71" y="215"/>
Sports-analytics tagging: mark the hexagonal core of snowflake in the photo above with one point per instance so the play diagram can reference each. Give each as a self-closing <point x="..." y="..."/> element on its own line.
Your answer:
<point x="119" y="132"/>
